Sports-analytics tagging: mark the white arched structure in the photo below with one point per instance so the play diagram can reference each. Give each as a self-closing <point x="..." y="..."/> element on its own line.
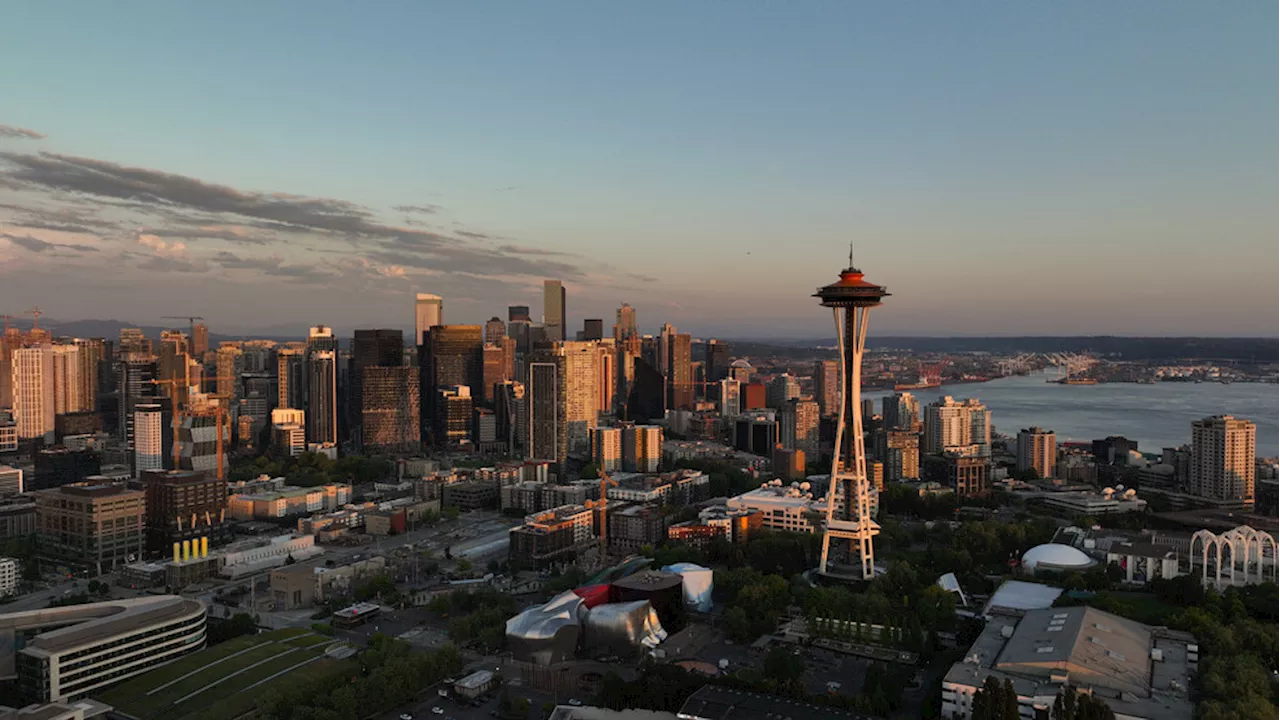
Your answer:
<point x="1241" y="556"/>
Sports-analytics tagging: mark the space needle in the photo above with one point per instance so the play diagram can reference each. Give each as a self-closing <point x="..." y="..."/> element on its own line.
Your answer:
<point x="848" y="512"/>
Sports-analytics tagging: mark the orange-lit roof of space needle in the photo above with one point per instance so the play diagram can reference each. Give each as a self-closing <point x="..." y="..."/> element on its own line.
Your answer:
<point x="851" y="290"/>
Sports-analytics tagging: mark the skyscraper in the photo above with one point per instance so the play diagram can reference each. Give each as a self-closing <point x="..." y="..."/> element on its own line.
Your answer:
<point x="782" y="390"/>
<point x="390" y="409"/>
<point x="826" y="386"/>
<point x="1223" y="459"/>
<point x="495" y="370"/>
<point x="133" y="341"/>
<point x="553" y="309"/>
<point x="199" y="339"/>
<point x="543" y="423"/>
<point x="518" y="313"/>
<point x="92" y="353"/>
<point x="1038" y="451"/>
<point x="901" y="455"/>
<point x="150" y="450"/>
<point x="641" y="448"/>
<point x="136" y="375"/>
<point x="69" y="389"/>
<point x="851" y="300"/>
<point x="428" y="312"/>
<point x="592" y="329"/>
<point x="451" y="355"/>
<point x="33" y="393"/>
<point x="625" y="325"/>
<point x="291" y="378"/>
<point x="577" y="389"/>
<point x="717" y="360"/>
<point x="730" y="398"/>
<point x="495" y="330"/>
<point x="512" y="416"/>
<point x="322" y="397"/>
<point x="607" y="367"/>
<point x="679" y="371"/>
<point x="230" y="364"/>
<point x="606" y="448"/>
<point x="382" y="348"/>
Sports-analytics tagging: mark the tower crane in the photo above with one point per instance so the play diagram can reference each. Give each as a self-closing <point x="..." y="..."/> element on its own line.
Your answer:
<point x="191" y="319"/>
<point x="173" y="397"/>
<point x="603" y="505"/>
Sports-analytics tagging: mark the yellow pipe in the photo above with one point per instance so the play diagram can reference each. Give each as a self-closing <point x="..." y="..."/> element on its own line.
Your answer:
<point x="177" y="548"/>
<point x="204" y="547"/>
<point x="186" y="550"/>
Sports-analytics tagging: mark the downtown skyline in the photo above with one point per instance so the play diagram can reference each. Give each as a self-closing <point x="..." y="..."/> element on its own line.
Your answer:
<point x="709" y="170"/>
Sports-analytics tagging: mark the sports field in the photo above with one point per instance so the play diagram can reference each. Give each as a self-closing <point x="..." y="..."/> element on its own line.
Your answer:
<point x="222" y="682"/>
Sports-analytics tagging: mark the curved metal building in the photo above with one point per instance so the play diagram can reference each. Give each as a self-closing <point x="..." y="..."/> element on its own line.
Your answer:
<point x="623" y="628"/>
<point x="547" y="634"/>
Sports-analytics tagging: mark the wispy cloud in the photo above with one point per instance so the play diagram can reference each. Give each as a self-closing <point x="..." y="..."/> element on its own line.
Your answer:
<point x="9" y="131"/>
<point x="421" y="209"/>
<point x="36" y="245"/>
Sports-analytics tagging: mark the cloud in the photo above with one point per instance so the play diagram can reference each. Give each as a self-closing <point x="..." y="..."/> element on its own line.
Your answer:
<point x="9" y="131"/>
<point x="472" y="235"/>
<point x="422" y="208"/>
<point x="197" y="209"/>
<point x="161" y="247"/>
<point x="33" y="244"/>
<point x="526" y="250"/>
<point x="642" y="278"/>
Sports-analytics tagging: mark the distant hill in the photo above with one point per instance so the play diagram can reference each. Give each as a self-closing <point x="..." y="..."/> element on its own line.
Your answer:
<point x="1260" y="350"/>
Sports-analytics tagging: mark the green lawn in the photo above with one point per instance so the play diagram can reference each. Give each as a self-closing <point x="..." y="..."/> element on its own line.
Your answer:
<point x="228" y="708"/>
<point x="277" y="650"/>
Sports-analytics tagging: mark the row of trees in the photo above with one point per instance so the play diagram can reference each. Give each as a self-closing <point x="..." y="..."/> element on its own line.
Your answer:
<point x="999" y="701"/>
<point x="476" y="617"/>
<point x="385" y="676"/>
<point x="311" y="469"/>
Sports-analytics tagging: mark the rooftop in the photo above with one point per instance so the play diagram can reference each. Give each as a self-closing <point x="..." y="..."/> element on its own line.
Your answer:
<point x="711" y="702"/>
<point x="83" y="624"/>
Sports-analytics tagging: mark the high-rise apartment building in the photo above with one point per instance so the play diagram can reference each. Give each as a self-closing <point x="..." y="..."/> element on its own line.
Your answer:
<point x="901" y="455"/>
<point x="230" y="364"/>
<point x="1038" y="451"/>
<point x="607" y="367"/>
<point x="968" y="475"/>
<point x="577" y="391"/>
<point x="1223" y="459"/>
<point x="198" y="441"/>
<point x="33" y="392"/>
<point x="451" y="356"/>
<point x="679" y="371"/>
<point x="453" y="416"/>
<point x="152" y="438"/>
<point x="380" y="348"/>
<point x="730" y="398"/>
<point x="136" y="375"/>
<point x="963" y="427"/>
<point x="291" y="378"/>
<point x="543" y="391"/>
<point x="901" y="411"/>
<point x="718" y="360"/>
<point x="428" y="312"/>
<point x="93" y="351"/>
<point x="553" y="309"/>
<point x="199" y="339"/>
<point x="826" y="386"/>
<point x="512" y="415"/>
<point x="798" y="426"/>
<point x="391" y="410"/>
<point x="133" y="341"/>
<point x="69" y="389"/>
<point x="625" y="326"/>
<point x="782" y="390"/>
<point x="322" y="397"/>
<point x="606" y="448"/>
<point x="184" y="505"/>
<point x="518" y="313"/>
<point x="755" y="396"/>
<point x="641" y="448"/>
<point x="592" y="329"/>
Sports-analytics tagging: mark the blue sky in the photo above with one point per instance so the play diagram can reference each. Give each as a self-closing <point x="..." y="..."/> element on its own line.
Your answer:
<point x="1066" y="168"/>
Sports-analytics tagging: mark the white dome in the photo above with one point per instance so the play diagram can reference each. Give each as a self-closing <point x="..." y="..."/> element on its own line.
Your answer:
<point x="1056" y="556"/>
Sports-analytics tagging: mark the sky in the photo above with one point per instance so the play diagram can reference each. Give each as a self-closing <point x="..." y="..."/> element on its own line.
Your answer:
<point x="1003" y="168"/>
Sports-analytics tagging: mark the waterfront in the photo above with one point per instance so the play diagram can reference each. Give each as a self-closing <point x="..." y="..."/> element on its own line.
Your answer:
<point x="1156" y="415"/>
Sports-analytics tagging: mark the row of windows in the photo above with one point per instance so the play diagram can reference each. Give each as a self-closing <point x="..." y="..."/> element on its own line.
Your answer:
<point x="157" y="658"/>
<point x="94" y="667"/>
<point x="184" y="623"/>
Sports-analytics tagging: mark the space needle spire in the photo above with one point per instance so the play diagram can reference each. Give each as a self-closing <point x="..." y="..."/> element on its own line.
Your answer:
<point x="848" y="500"/>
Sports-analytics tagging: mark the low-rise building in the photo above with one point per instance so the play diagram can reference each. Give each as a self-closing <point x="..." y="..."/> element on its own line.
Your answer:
<point x="471" y="494"/>
<point x="10" y="481"/>
<point x="791" y="508"/>
<point x="1141" y="672"/>
<point x="97" y="527"/>
<point x="677" y="488"/>
<point x="253" y="556"/>
<point x="631" y="527"/>
<point x="475" y="684"/>
<point x="303" y="585"/>
<point x="97" y="645"/>
<point x="555" y="535"/>
<point x="287" y="500"/>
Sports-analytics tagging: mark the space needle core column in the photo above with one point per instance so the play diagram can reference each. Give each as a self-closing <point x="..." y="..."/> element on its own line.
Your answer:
<point x="851" y="300"/>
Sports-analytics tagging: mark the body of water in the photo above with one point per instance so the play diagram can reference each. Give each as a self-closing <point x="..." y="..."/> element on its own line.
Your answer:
<point x="1157" y="416"/>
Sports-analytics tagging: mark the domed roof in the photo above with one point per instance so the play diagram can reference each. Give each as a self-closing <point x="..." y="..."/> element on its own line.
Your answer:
<point x="1057" y="556"/>
<point x="740" y="363"/>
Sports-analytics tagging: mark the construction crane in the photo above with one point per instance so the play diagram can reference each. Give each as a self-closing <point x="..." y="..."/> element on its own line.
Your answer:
<point x="35" y="314"/>
<point x="191" y="319"/>
<point x="173" y="397"/>
<point x="603" y="505"/>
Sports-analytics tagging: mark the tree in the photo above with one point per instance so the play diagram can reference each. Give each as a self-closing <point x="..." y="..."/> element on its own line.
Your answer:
<point x="590" y="471"/>
<point x="289" y="560"/>
<point x="464" y="565"/>
<point x="783" y="665"/>
<point x="451" y="512"/>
